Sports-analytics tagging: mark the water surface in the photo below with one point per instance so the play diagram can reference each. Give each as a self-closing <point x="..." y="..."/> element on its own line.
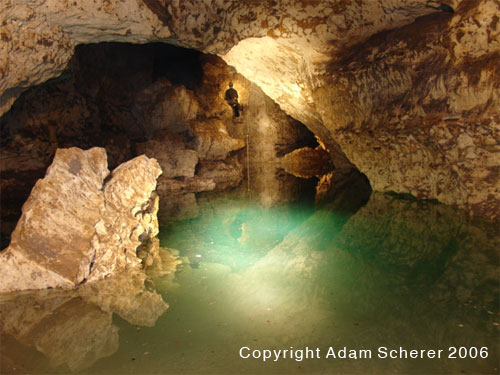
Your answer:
<point x="270" y="269"/>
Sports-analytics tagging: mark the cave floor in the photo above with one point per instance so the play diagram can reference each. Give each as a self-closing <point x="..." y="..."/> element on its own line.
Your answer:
<point x="265" y="271"/>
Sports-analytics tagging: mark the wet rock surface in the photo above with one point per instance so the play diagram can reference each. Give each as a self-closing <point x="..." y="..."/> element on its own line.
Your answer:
<point x="81" y="224"/>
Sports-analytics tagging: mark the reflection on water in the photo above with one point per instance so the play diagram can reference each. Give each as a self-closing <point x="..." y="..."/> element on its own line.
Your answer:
<point x="75" y="328"/>
<point x="268" y="269"/>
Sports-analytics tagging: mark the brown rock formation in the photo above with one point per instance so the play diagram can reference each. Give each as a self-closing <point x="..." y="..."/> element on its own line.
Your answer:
<point x="225" y="174"/>
<point x="128" y="218"/>
<point x="163" y="106"/>
<point x="171" y="152"/>
<point x="307" y="162"/>
<point x="77" y="226"/>
<point x="415" y="108"/>
<point x="212" y="142"/>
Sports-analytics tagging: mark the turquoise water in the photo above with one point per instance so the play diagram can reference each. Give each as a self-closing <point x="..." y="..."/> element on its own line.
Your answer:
<point x="268" y="272"/>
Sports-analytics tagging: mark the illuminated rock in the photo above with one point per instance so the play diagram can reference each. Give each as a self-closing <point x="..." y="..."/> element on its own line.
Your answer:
<point x="128" y="218"/>
<point x="409" y="94"/>
<point x="212" y="142"/>
<point x="171" y="152"/>
<point x="76" y="226"/>
<point x="307" y="162"/>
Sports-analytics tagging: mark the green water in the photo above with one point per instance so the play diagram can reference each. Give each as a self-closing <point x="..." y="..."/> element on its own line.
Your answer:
<point x="282" y="273"/>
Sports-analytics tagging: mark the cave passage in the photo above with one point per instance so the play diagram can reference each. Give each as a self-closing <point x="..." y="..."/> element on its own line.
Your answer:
<point x="270" y="260"/>
<point x="156" y="99"/>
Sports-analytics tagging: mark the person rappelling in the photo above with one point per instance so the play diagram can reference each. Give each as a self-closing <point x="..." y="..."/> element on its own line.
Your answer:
<point x="231" y="98"/>
<point x="439" y="6"/>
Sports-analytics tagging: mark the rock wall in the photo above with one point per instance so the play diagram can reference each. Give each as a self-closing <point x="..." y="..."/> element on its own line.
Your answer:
<point x="415" y="108"/>
<point x="159" y="100"/>
<point x="80" y="223"/>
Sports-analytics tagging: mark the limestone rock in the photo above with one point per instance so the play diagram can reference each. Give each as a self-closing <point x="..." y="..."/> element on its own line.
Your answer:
<point x="391" y="84"/>
<point x="163" y="106"/>
<point x="225" y="174"/>
<point x="271" y="132"/>
<point x="212" y="142"/>
<point x="75" y="224"/>
<point x="170" y="151"/>
<point x="441" y="138"/>
<point x="128" y="218"/>
<point x="307" y="162"/>
<point x="51" y="243"/>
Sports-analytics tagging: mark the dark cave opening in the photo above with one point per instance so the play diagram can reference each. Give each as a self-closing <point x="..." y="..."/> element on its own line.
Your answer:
<point x="112" y="95"/>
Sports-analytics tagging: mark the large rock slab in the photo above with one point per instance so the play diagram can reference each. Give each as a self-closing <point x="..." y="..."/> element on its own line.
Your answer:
<point x="226" y="174"/>
<point x="128" y="218"/>
<point x="212" y="141"/>
<point x="171" y="152"/>
<point x="75" y="224"/>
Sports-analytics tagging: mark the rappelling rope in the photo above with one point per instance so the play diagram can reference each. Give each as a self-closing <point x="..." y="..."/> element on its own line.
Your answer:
<point x="248" y="158"/>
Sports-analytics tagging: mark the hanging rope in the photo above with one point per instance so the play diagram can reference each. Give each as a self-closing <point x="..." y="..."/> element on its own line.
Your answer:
<point x="248" y="158"/>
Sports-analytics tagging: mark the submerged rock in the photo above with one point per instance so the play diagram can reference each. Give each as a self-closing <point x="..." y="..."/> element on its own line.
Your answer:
<point x="79" y="223"/>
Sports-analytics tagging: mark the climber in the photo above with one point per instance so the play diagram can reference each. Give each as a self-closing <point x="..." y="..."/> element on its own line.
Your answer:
<point x="440" y="6"/>
<point x="231" y="98"/>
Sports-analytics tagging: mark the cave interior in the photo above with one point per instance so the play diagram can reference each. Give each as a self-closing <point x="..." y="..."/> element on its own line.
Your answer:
<point x="350" y="207"/>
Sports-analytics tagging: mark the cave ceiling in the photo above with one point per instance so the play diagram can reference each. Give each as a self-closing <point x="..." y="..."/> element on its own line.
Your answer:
<point x="408" y="90"/>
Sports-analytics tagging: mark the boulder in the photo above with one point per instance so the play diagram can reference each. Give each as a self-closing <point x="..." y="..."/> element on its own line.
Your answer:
<point x="128" y="218"/>
<point x="171" y="152"/>
<point x="212" y="142"/>
<point x="79" y="223"/>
